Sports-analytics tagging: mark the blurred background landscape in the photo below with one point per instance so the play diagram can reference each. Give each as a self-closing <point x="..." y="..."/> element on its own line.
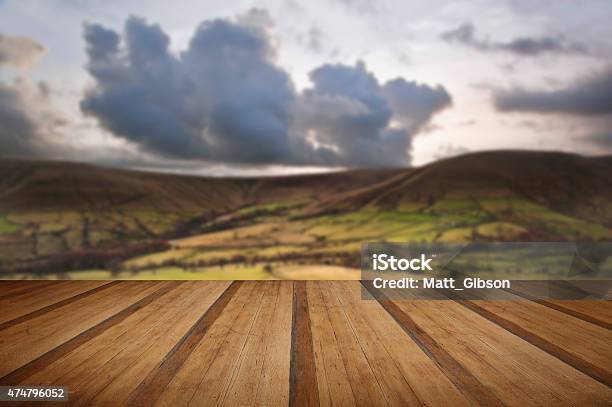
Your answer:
<point x="62" y="220"/>
<point x="270" y="139"/>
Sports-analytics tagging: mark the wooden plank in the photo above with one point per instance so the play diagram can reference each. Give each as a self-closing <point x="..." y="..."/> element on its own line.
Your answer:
<point x="562" y="307"/>
<point x="5" y="284"/>
<point x="27" y="347"/>
<point x="82" y="369"/>
<point x="262" y="375"/>
<point x="34" y="296"/>
<point x="161" y="341"/>
<point x="517" y="372"/>
<point x="37" y="304"/>
<point x="303" y="388"/>
<point x="599" y="310"/>
<point x="279" y="348"/>
<point x="334" y="385"/>
<point x="220" y="377"/>
<point x="578" y="343"/>
<point x="145" y="343"/>
<point x="204" y="374"/>
<point x="462" y="378"/>
<point x="363" y="362"/>
<point x="160" y="376"/>
<point x="74" y="365"/>
<point x="110" y="375"/>
<point x="386" y="345"/>
<point x="24" y="287"/>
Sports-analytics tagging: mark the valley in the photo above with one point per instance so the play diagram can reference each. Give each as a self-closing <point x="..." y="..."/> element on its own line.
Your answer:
<point x="65" y="220"/>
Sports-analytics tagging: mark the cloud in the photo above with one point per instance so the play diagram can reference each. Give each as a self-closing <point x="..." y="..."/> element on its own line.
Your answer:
<point x="29" y="124"/>
<point x="366" y="123"/>
<point x="224" y="99"/>
<point x="602" y="140"/>
<point x="414" y="104"/>
<point x="221" y="99"/>
<point x="587" y="102"/>
<point x="590" y="95"/>
<point x="315" y="39"/>
<point x="359" y="6"/>
<point x="450" y="150"/>
<point x="347" y="116"/>
<point x="465" y="34"/>
<point x="17" y="130"/>
<point x="19" y="52"/>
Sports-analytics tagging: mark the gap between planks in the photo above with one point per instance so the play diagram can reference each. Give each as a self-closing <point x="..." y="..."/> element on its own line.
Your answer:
<point x="303" y="387"/>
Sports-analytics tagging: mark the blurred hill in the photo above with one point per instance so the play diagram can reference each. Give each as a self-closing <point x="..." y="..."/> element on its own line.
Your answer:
<point x="572" y="184"/>
<point x="51" y="185"/>
<point x="57" y="217"/>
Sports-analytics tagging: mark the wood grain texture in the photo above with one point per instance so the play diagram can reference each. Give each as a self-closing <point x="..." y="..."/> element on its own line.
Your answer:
<point x="582" y="345"/>
<point x="465" y="381"/>
<point x="262" y="374"/>
<point x="405" y="373"/>
<point x="36" y="304"/>
<point x="595" y="310"/>
<point x="516" y="371"/>
<point x="16" y="288"/>
<point x="316" y="343"/>
<point x="303" y="389"/>
<point x="567" y="308"/>
<point x="45" y="335"/>
<point x="158" y="378"/>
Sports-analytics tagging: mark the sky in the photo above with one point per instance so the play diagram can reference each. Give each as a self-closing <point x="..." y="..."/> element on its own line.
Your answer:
<point x="273" y="87"/>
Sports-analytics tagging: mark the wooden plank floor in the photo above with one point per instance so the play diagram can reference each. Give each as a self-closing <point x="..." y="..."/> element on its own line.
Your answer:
<point x="279" y="343"/>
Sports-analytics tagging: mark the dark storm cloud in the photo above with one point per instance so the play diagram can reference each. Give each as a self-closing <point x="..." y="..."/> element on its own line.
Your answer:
<point x="221" y="99"/>
<point x="590" y="95"/>
<point x="465" y="34"/>
<point x="588" y="99"/>
<point x="346" y="113"/>
<point x="102" y="44"/>
<point x="19" y="52"/>
<point x="225" y="100"/>
<point x="363" y="122"/>
<point x="17" y="130"/>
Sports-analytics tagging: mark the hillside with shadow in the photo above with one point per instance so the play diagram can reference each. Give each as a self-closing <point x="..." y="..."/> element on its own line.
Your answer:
<point x="71" y="220"/>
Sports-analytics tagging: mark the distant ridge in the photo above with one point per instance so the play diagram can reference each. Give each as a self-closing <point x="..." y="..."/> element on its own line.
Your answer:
<point x="568" y="183"/>
<point x="51" y="185"/>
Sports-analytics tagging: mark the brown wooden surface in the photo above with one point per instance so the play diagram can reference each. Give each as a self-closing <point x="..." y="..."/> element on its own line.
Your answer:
<point x="298" y="343"/>
<point x="582" y="344"/>
<point x="304" y="388"/>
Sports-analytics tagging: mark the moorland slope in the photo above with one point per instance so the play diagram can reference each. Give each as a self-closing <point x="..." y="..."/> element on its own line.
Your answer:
<point x="64" y="217"/>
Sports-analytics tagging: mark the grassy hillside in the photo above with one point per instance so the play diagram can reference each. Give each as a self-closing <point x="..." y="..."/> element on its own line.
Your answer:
<point x="571" y="184"/>
<point x="77" y="220"/>
<point x="50" y="186"/>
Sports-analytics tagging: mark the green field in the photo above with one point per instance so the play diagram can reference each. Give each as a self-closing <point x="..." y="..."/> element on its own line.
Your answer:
<point x="245" y="250"/>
